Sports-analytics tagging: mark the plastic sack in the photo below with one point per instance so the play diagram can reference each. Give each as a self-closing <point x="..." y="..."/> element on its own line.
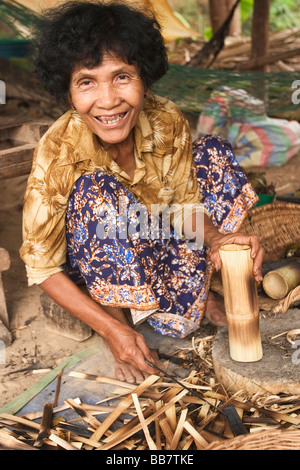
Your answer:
<point x="257" y="139"/>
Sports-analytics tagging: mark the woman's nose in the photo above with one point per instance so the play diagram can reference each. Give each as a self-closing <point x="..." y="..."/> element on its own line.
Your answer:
<point x="108" y="96"/>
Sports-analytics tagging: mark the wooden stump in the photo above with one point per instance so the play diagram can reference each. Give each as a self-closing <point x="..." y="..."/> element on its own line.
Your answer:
<point x="277" y="372"/>
<point x="61" y="322"/>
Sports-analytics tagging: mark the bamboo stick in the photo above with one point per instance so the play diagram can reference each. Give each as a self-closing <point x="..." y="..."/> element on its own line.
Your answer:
<point x="171" y="417"/>
<point x="200" y="442"/>
<point x="156" y="406"/>
<point x="45" y="425"/>
<point x="148" y="437"/>
<point x="83" y="413"/>
<point x="167" y="431"/>
<point x="122" y="407"/>
<point x="116" y="440"/>
<point x="178" y="432"/>
<point x="241" y="303"/>
<point x="20" y="420"/>
<point x="61" y="442"/>
<point x="279" y="282"/>
<point x="10" y="442"/>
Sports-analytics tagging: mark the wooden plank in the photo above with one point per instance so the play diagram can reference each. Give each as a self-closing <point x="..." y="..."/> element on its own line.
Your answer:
<point x="17" y="144"/>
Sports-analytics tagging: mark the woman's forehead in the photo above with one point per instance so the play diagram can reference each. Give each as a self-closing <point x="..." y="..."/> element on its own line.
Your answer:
<point x="109" y="62"/>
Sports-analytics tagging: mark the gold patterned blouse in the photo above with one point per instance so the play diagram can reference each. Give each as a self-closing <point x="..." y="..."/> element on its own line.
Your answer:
<point x="164" y="175"/>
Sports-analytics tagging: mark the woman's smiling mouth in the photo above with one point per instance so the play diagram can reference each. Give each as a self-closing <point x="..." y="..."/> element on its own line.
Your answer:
<point x="108" y="120"/>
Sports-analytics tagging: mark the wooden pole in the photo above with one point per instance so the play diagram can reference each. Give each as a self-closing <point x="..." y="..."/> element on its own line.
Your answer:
<point x="260" y="31"/>
<point x="217" y="13"/>
<point x="241" y="303"/>
<point x="235" y="28"/>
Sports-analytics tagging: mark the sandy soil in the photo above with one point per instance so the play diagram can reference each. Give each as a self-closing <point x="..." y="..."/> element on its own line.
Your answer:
<point x="33" y="347"/>
<point x="34" y="350"/>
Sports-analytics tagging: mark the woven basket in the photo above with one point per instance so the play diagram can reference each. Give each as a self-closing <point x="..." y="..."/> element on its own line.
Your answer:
<point x="262" y="440"/>
<point x="277" y="225"/>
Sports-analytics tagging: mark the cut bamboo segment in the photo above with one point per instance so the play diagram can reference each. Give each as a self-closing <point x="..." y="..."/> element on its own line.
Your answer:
<point x="241" y="303"/>
<point x="279" y="282"/>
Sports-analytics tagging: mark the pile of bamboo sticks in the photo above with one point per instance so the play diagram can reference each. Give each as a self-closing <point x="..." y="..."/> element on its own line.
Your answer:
<point x="283" y="52"/>
<point x="158" y="414"/>
<point x="283" y="47"/>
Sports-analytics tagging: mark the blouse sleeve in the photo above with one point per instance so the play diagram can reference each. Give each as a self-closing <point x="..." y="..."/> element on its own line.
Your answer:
<point x="44" y="244"/>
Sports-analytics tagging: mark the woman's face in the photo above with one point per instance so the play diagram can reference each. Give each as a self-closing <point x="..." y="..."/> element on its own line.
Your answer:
<point x="109" y="98"/>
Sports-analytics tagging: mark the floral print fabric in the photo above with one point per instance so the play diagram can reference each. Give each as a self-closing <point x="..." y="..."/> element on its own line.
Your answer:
<point x="164" y="175"/>
<point x="162" y="278"/>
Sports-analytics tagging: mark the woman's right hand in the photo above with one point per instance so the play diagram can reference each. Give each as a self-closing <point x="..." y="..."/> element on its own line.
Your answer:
<point x="129" y="347"/>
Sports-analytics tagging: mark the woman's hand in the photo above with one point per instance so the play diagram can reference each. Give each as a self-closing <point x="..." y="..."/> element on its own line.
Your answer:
<point x="128" y="346"/>
<point x="214" y="239"/>
<point x="257" y="252"/>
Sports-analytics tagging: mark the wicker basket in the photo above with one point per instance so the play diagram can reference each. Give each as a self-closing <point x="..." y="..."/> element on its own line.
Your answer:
<point x="262" y="440"/>
<point x="277" y="225"/>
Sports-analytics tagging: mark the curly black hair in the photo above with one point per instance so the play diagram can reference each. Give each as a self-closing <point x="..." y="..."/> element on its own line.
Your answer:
<point x="78" y="33"/>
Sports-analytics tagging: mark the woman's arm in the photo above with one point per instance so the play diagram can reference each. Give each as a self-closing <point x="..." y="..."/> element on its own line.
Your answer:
<point x="127" y="345"/>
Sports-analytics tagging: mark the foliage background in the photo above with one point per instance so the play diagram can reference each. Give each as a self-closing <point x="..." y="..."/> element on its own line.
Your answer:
<point x="284" y="14"/>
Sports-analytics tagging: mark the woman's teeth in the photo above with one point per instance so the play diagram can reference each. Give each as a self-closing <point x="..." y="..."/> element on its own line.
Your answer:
<point x="111" y="119"/>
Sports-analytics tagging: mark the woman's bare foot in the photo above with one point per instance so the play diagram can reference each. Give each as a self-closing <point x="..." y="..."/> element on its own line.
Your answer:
<point x="215" y="309"/>
<point x="127" y="373"/>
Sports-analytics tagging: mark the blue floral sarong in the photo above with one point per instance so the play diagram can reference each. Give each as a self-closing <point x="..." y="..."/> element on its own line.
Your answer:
<point x="160" y="278"/>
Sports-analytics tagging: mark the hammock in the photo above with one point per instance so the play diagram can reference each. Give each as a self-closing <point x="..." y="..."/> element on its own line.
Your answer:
<point x="190" y="88"/>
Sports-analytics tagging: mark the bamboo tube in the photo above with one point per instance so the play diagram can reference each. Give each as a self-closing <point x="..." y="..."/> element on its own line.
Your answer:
<point x="279" y="282"/>
<point x="241" y="303"/>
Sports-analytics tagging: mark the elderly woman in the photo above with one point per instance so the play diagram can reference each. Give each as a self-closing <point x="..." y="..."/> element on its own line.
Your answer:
<point x="119" y="197"/>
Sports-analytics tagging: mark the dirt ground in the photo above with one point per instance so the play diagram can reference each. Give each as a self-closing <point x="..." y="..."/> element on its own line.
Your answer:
<point x="34" y="350"/>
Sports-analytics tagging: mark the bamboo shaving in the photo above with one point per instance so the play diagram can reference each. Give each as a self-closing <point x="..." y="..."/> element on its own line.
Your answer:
<point x="160" y="415"/>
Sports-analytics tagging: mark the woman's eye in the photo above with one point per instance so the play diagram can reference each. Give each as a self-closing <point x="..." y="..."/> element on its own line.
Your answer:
<point x="85" y="83"/>
<point x="123" y="78"/>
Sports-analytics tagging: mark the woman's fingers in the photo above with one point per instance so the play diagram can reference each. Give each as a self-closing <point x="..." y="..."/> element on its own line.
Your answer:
<point x="129" y="346"/>
<point x="257" y="252"/>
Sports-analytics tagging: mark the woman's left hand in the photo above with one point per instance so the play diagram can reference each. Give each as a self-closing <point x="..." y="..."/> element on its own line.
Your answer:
<point x="257" y="252"/>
